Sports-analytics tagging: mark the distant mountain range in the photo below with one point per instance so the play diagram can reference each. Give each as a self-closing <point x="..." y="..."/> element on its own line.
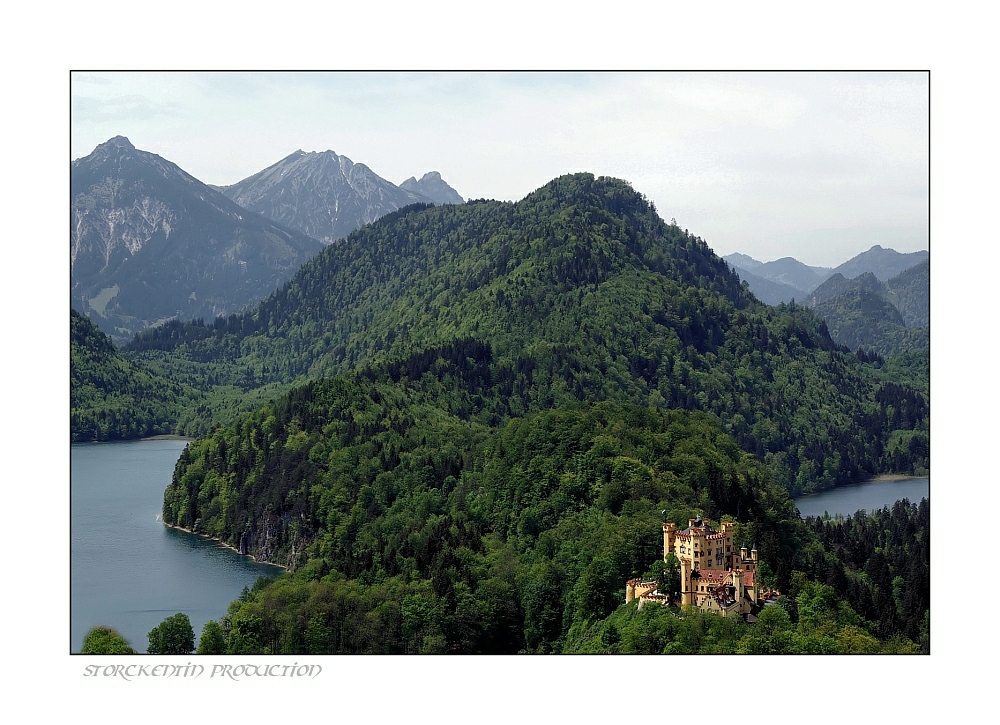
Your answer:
<point x="884" y="317"/>
<point x="328" y="196"/>
<point x="149" y="242"/>
<point x="787" y="278"/>
<point x="878" y="300"/>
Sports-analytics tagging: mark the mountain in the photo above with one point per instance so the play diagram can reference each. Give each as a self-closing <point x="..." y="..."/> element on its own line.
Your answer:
<point x="768" y="292"/>
<point x="743" y="261"/>
<point x="883" y="263"/>
<point x="885" y="317"/>
<point x="782" y="280"/>
<point x="505" y="402"/>
<point x="149" y="242"/>
<point x="792" y="272"/>
<point x="578" y="293"/>
<point x="432" y="186"/>
<point x="328" y="196"/>
<point x="909" y="291"/>
<point x="838" y="285"/>
<point x="862" y="318"/>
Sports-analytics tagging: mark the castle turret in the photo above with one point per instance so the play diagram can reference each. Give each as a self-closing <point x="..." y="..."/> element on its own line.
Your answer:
<point x="668" y="538"/>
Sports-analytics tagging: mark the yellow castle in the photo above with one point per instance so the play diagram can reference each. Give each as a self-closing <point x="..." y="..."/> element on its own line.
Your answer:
<point x="715" y="576"/>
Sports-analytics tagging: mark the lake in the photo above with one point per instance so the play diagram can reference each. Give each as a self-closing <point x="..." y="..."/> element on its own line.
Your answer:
<point x="870" y="495"/>
<point x="129" y="571"/>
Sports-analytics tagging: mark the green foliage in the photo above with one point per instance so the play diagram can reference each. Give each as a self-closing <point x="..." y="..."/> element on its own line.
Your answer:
<point x="212" y="640"/>
<point x="579" y="292"/>
<point x="862" y="318"/>
<point x="112" y="398"/>
<point x="826" y="625"/>
<point x="459" y="427"/>
<point x="879" y="563"/>
<point x="105" y="641"/>
<point x="416" y="531"/>
<point x="911" y="369"/>
<point x="172" y="636"/>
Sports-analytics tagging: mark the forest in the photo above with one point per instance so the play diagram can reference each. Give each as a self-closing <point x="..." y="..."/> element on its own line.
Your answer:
<point x="581" y="293"/>
<point x="463" y="427"/>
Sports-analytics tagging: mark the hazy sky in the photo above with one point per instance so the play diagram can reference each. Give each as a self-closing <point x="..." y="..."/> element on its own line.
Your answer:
<point x="819" y="166"/>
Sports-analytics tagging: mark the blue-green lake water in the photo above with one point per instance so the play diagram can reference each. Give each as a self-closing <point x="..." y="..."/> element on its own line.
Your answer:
<point x="129" y="571"/>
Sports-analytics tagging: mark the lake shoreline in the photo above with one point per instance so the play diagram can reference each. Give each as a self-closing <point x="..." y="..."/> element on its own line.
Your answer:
<point x="894" y="477"/>
<point x="223" y="543"/>
<point x="871" y="495"/>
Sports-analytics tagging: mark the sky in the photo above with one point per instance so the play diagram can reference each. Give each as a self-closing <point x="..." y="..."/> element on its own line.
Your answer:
<point x="819" y="166"/>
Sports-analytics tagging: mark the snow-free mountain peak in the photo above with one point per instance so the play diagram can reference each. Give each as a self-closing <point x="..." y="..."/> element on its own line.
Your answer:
<point x="434" y="188"/>
<point x="148" y="242"/>
<point x="327" y="195"/>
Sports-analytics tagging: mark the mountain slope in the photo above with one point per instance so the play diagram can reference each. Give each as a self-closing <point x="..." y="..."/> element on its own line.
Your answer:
<point x="327" y="196"/>
<point x="149" y="242"/>
<point x="792" y="272"/>
<point x="838" y="285"/>
<point x="862" y="318"/>
<point x="894" y="323"/>
<point x="909" y="291"/>
<point x="767" y="291"/>
<point x="112" y="398"/>
<point x="580" y="292"/>
<point x="883" y="263"/>
<point x="781" y="280"/>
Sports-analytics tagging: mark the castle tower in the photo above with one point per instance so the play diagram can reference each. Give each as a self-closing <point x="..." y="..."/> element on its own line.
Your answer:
<point x="668" y="538"/>
<point x="687" y="588"/>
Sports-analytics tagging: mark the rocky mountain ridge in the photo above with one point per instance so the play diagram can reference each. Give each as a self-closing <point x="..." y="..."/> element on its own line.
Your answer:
<point x="432" y="186"/>
<point x="328" y="196"/>
<point x="149" y="242"/>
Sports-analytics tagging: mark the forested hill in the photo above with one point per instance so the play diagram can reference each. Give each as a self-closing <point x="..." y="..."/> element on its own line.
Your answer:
<point x="112" y="398"/>
<point x="511" y="393"/>
<point x="487" y="268"/>
<point x="580" y="292"/>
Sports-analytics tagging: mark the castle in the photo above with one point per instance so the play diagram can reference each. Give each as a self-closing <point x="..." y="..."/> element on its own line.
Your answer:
<point x="715" y="577"/>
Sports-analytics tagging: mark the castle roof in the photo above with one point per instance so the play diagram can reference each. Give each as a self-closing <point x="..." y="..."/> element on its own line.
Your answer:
<point x="719" y="575"/>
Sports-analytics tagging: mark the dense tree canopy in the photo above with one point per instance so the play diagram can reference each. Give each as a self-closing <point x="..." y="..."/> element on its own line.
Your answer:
<point x="172" y="636"/>
<point x="105" y="641"/>
<point x="459" y="427"/>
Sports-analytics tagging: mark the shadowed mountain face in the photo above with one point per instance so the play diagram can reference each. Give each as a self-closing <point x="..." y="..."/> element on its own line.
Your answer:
<point x="861" y="318"/>
<point x="328" y="196"/>
<point x="880" y="316"/>
<point x="838" y="284"/>
<point x="432" y="186"/>
<point x="149" y="242"/>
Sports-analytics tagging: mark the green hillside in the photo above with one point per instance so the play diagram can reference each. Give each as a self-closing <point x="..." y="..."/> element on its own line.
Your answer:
<point x="862" y="318"/>
<point x="112" y="398"/>
<point x="507" y="400"/>
<point x="579" y="292"/>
